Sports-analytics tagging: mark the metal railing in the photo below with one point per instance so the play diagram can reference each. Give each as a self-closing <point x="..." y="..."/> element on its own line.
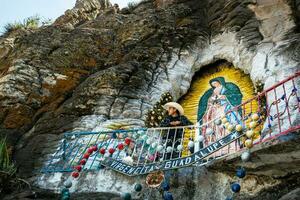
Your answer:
<point x="271" y="113"/>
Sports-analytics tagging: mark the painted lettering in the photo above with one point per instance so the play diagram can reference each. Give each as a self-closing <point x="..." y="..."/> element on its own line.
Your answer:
<point x="168" y="165"/>
<point x="210" y="149"/>
<point x="174" y="163"/>
<point x="188" y="160"/>
<point x="114" y="163"/>
<point x="222" y="142"/>
<point x="151" y="168"/>
<point x="137" y="170"/>
<point x="126" y="169"/>
<point x="202" y="153"/>
<point x="145" y="168"/>
<point x="215" y="145"/>
<point x="181" y="162"/>
<point x="131" y="170"/>
<point x="197" y="157"/>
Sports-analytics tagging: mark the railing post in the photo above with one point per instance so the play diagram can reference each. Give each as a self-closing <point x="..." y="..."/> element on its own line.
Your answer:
<point x="197" y="136"/>
<point x="295" y="90"/>
<point x="64" y="149"/>
<point x="277" y="110"/>
<point x="174" y="141"/>
<point x="141" y="151"/>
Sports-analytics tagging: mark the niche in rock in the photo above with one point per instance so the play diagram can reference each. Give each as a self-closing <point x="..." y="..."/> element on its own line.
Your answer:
<point x="217" y="89"/>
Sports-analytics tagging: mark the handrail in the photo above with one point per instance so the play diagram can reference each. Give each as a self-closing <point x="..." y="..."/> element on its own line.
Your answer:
<point x="104" y="132"/>
<point x="263" y="93"/>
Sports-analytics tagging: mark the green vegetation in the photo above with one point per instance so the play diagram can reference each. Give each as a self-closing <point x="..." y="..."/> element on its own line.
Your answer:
<point x="9" y="182"/>
<point x="158" y="113"/>
<point x="5" y="162"/>
<point x="10" y="27"/>
<point x="29" y="23"/>
<point x="132" y="5"/>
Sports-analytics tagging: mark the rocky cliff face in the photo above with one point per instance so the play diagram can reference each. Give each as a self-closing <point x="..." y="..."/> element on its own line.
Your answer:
<point x="96" y="66"/>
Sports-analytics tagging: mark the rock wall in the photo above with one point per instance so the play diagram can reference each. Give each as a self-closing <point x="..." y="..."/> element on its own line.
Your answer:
<point x="83" y="11"/>
<point x="95" y="67"/>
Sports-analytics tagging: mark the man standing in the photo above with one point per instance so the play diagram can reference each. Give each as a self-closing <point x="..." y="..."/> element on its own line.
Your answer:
<point x="173" y="137"/>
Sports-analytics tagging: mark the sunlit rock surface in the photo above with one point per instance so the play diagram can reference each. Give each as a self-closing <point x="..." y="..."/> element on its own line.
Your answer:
<point x="96" y="68"/>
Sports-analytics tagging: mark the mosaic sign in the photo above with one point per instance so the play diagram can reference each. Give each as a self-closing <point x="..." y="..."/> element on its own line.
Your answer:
<point x="170" y="164"/>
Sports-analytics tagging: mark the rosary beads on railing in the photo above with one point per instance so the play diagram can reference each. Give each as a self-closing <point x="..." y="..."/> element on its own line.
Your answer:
<point x="78" y="168"/>
<point x="167" y="195"/>
<point x="245" y="156"/>
<point x="94" y="149"/>
<point x="240" y="173"/>
<point x="65" y="193"/>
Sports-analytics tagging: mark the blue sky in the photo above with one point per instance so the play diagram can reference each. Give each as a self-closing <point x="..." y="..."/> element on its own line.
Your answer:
<point x="17" y="10"/>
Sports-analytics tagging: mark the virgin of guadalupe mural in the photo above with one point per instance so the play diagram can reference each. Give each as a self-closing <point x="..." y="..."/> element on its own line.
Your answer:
<point x="218" y="100"/>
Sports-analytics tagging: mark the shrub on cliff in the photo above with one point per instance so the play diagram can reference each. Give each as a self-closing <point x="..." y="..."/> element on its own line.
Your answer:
<point x="10" y="27"/>
<point x="29" y="23"/>
<point x="158" y="113"/>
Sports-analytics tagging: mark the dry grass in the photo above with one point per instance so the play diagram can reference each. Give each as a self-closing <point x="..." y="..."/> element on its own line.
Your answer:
<point x="29" y="23"/>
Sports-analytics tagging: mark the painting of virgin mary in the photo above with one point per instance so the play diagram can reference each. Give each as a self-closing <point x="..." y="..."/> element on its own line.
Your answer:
<point x="218" y="102"/>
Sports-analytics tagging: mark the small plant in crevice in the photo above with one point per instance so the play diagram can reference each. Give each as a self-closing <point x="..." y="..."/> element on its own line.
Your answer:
<point x="158" y="113"/>
<point x="5" y="162"/>
<point x="132" y="5"/>
<point x="9" y="182"/>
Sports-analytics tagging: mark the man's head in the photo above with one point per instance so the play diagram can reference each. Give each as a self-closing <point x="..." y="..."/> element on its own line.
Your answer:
<point x="174" y="108"/>
<point x="172" y="111"/>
